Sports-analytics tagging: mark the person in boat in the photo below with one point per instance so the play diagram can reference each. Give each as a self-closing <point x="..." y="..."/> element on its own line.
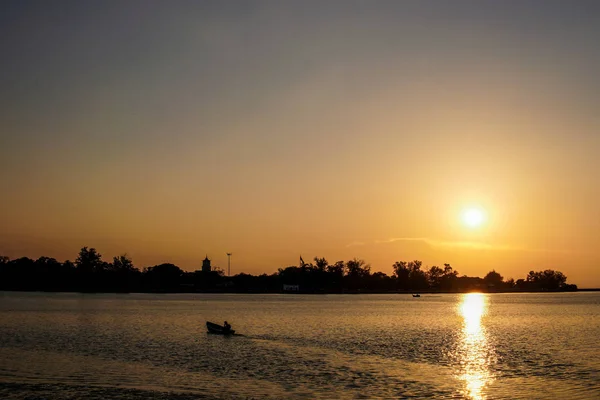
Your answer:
<point x="226" y="327"/>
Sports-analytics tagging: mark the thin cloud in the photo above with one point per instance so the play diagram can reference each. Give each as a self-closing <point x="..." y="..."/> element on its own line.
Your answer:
<point x="402" y="239"/>
<point x="463" y="244"/>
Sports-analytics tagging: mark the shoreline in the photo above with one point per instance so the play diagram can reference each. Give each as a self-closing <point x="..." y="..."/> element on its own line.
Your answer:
<point x="428" y="292"/>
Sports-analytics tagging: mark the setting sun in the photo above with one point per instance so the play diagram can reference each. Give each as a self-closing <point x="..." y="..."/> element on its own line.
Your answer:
<point x="473" y="217"/>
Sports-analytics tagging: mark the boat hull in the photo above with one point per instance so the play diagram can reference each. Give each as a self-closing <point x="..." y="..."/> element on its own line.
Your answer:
<point x="217" y="329"/>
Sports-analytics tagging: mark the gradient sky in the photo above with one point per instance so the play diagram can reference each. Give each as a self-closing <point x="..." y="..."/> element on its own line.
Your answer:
<point x="174" y="129"/>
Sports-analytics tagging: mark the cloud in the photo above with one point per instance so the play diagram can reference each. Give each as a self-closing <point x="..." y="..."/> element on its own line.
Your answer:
<point x="403" y="239"/>
<point x="463" y="244"/>
<point x="446" y="244"/>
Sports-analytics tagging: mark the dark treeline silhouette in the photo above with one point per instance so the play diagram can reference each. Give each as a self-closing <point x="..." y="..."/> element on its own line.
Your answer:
<point x="89" y="273"/>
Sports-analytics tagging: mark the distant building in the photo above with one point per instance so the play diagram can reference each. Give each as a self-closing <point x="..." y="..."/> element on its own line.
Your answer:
<point x="206" y="265"/>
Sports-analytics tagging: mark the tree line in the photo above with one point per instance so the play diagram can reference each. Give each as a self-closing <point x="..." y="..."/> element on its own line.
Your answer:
<point x="90" y="273"/>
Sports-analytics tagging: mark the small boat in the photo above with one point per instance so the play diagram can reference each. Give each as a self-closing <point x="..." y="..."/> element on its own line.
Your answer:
<point x="218" y="329"/>
<point x="416" y="295"/>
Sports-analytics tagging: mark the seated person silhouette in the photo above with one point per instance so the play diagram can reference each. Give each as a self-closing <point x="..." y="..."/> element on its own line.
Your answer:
<point x="226" y="327"/>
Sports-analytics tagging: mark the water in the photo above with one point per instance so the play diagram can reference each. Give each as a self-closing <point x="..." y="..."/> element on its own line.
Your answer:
<point x="140" y="346"/>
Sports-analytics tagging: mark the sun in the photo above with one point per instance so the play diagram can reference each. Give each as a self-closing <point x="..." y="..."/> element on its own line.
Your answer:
<point x="473" y="217"/>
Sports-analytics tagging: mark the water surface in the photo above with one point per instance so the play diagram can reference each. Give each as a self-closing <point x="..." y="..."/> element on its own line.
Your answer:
<point x="472" y="346"/>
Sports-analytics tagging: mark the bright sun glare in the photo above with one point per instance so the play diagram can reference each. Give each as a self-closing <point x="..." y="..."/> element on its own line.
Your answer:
<point x="473" y="217"/>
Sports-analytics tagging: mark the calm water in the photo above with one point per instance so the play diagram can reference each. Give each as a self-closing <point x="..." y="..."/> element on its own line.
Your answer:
<point x="518" y="346"/>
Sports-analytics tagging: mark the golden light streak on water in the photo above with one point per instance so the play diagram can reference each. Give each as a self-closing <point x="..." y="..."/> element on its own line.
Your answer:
<point x="474" y="348"/>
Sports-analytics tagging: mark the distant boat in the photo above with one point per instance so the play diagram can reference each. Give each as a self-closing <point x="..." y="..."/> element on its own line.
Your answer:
<point x="416" y="295"/>
<point x="218" y="329"/>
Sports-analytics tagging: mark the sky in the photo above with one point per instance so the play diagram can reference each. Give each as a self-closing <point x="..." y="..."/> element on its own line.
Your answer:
<point x="274" y="129"/>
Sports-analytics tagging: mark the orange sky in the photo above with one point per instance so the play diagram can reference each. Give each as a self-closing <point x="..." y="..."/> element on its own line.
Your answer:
<point x="273" y="130"/>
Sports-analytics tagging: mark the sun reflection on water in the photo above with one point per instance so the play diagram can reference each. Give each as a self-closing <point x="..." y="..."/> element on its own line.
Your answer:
<point x="474" y="349"/>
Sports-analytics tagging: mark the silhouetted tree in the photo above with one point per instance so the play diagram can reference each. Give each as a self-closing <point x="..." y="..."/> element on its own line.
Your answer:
<point x="335" y="276"/>
<point x="402" y="274"/>
<point x="546" y="280"/>
<point x="121" y="275"/>
<point x="20" y="274"/>
<point x="337" y="269"/>
<point x="380" y="282"/>
<point x="494" y="280"/>
<point x="46" y="274"/>
<point x="163" y="278"/>
<point x="90" y="268"/>
<point x="321" y="263"/>
<point x="449" y="278"/>
<point x="89" y="260"/>
<point x="417" y="277"/>
<point x="122" y="263"/>
<point x="90" y="273"/>
<point x="510" y="283"/>
<point x="357" y="274"/>
<point x="358" y="268"/>
<point x="434" y="277"/>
